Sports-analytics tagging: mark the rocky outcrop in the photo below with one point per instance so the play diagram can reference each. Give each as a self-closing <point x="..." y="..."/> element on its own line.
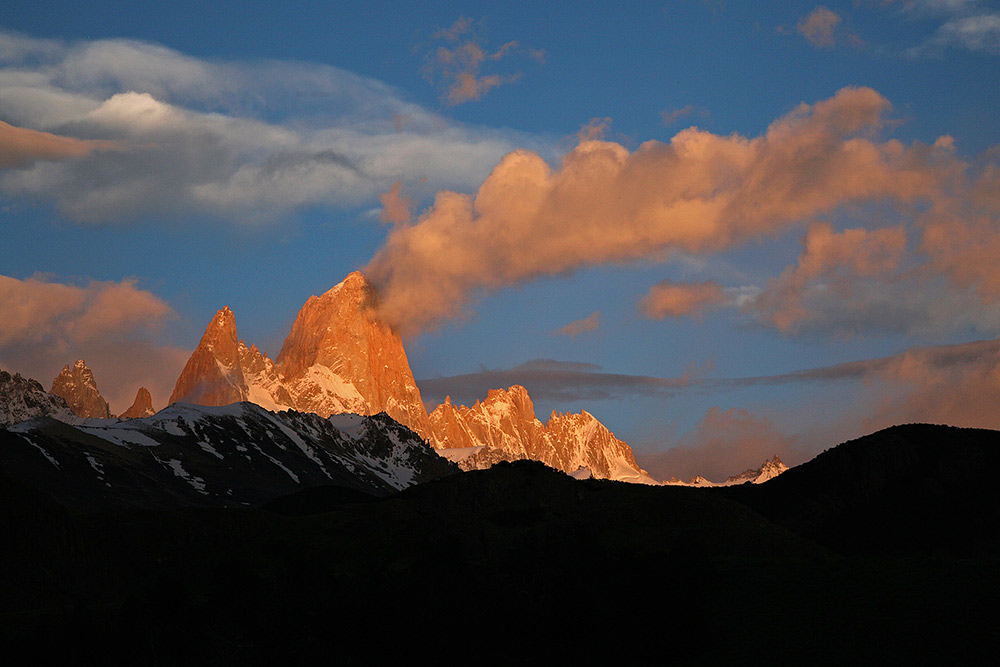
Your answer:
<point x="339" y="357"/>
<point x="213" y="374"/>
<point x="504" y="428"/>
<point x="142" y="406"/>
<point x="22" y="398"/>
<point x="78" y="388"/>
<point x="768" y="470"/>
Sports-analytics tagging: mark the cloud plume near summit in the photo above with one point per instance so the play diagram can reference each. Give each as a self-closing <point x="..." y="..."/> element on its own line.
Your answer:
<point x="701" y="193"/>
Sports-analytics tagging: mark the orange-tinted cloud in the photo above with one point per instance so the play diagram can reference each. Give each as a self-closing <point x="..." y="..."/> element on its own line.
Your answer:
<point x="20" y="147"/>
<point x="396" y="206"/>
<point x="47" y="324"/>
<point x="699" y="193"/>
<point x="670" y="299"/>
<point x="459" y="67"/>
<point x="590" y="323"/>
<point x="671" y="116"/>
<point x="818" y="27"/>
<point x="835" y="258"/>
<point x="956" y="384"/>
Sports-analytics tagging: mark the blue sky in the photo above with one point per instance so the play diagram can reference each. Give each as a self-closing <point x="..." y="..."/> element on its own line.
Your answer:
<point x="161" y="162"/>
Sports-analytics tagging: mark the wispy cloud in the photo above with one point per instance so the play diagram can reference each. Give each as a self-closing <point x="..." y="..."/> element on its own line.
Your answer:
<point x="970" y="25"/>
<point x="240" y="140"/>
<point x="818" y="27"/>
<point x="458" y="65"/>
<point x="21" y="147"/>
<point x="671" y="299"/>
<point x="824" y="29"/>
<point x="567" y="381"/>
<point x="590" y="323"/>
<point x="976" y="33"/>
<point x="550" y="380"/>
<point x="672" y="116"/>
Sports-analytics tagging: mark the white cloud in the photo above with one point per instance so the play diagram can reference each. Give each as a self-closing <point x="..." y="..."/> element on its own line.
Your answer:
<point x="244" y="140"/>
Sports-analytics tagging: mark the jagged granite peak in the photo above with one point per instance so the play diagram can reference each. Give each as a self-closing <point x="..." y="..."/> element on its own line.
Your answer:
<point x="213" y="374"/>
<point x="341" y="356"/>
<point x="79" y="389"/>
<point x="503" y="427"/>
<point x="141" y="407"/>
<point x="24" y="398"/>
<point x="770" y="469"/>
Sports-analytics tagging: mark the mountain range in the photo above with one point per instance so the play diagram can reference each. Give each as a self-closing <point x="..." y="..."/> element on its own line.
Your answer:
<point x="340" y="357"/>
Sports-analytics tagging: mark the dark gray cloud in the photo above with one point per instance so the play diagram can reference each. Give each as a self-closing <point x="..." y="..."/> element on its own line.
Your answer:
<point x="567" y="381"/>
<point x="549" y="380"/>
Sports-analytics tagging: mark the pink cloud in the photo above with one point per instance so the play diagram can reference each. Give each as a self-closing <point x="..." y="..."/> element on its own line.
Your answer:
<point x="459" y="67"/>
<point x="700" y="193"/>
<point x="396" y="206"/>
<point x="46" y="325"/>
<point x="670" y="299"/>
<point x="818" y="27"/>
<point x="20" y="147"/>
<point x="834" y="257"/>
<point x="576" y="327"/>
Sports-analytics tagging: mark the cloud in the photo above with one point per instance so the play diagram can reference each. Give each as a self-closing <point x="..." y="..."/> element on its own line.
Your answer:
<point x="700" y="193"/>
<point x="975" y="33"/>
<point x="671" y="116"/>
<point x="836" y="258"/>
<point x="458" y="68"/>
<point x="21" y="147"/>
<point x="550" y="380"/>
<point x="46" y="325"/>
<point x="957" y="385"/>
<point x="724" y="443"/>
<point x="670" y="299"/>
<point x="590" y="323"/>
<point x="396" y="207"/>
<point x="818" y="27"/>
<point x="247" y="141"/>
<point x="968" y="25"/>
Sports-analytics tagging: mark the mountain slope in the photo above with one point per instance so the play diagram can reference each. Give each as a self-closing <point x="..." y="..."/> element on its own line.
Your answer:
<point x="23" y="398"/>
<point x="235" y="455"/>
<point x="912" y="487"/>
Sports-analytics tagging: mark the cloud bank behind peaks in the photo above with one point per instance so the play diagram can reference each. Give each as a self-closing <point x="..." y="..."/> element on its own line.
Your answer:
<point x="699" y="193"/>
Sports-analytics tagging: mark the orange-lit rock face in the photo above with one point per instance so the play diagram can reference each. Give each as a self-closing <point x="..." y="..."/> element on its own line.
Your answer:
<point x="338" y="337"/>
<point x="505" y="427"/>
<point x="341" y="357"/>
<point x="213" y="375"/>
<point x="141" y="407"/>
<point x="337" y="358"/>
<point x="78" y="388"/>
